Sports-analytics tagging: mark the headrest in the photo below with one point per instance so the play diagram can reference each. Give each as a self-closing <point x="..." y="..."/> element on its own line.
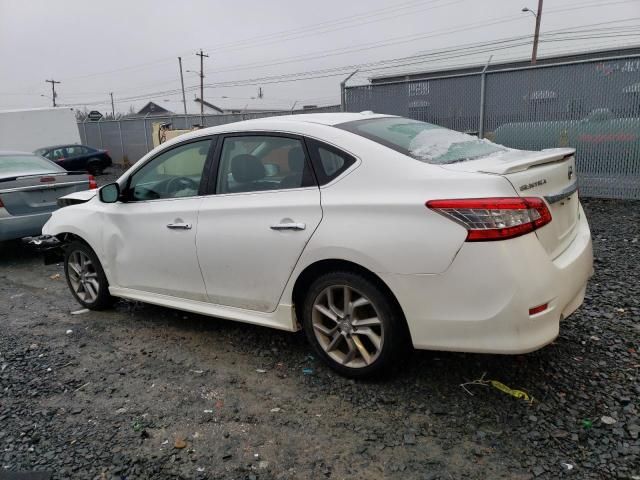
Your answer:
<point x="247" y="168"/>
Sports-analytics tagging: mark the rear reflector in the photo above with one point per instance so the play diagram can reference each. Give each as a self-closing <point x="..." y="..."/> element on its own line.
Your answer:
<point x="1" y="204"/>
<point x="47" y="179"/>
<point x="92" y="183"/>
<point x="488" y="219"/>
<point x="538" y="309"/>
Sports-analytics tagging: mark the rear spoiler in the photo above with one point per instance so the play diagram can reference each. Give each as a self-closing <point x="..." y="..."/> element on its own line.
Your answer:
<point x="54" y="174"/>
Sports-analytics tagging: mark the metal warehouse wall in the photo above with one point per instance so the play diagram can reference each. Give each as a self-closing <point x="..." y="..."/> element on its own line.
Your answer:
<point x="592" y="105"/>
<point x="129" y="139"/>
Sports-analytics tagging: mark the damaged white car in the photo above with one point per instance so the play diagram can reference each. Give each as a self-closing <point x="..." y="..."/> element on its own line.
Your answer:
<point x="371" y="232"/>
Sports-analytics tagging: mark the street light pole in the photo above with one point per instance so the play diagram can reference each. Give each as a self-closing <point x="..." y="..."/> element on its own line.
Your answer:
<point x="184" y="99"/>
<point x="536" y="35"/>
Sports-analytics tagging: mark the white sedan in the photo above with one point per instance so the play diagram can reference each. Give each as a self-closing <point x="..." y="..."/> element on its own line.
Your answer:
<point x="370" y="232"/>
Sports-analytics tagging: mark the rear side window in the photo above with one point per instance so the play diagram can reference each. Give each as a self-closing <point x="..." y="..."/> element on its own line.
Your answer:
<point x="423" y="141"/>
<point x="328" y="161"/>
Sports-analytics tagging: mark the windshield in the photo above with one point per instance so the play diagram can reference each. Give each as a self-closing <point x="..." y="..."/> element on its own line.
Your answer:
<point x="26" y="164"/>
<point x="423" y="141"/>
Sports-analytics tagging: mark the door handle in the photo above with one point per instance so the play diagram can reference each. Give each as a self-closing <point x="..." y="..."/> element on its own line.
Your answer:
<point x="179" y="226"/>
<point x="288" y="226"/>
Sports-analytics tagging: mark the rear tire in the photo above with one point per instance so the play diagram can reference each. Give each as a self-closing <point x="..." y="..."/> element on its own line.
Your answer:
<point x="85" y="277"/>
<point x="353" y="324"/>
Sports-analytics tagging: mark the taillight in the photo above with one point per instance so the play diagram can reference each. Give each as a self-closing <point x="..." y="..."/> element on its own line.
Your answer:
<point x="92" y="182"/>
<point x="488" y="219"/>
<point x="1" y="204"/>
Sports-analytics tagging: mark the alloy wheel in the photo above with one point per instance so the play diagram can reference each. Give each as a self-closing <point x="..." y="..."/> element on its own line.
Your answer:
<point x="83" y="276"/>
<point x="347" y="326"/>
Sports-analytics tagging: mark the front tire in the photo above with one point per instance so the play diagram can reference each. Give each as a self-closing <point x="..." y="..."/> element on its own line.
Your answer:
<point x="353" y="324"/>
<point x="85" y="277"/>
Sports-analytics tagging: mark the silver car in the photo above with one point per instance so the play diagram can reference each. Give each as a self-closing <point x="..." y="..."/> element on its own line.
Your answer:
<point x="30" y="186"/>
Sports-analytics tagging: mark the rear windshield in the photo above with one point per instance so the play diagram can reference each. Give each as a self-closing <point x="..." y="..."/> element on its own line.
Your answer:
<point x="423" y="141"/>
<point x="26" y="164"/>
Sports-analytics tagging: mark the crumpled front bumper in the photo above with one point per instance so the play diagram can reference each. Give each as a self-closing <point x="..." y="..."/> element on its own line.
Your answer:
<point x="48" y="245"/>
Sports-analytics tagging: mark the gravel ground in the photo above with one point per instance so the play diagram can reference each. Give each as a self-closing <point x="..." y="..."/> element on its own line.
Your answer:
<point x="147" y="392"/>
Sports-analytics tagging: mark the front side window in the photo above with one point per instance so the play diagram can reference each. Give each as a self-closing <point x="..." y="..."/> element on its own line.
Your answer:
<point x="255" y="163"/>
<point x="423" y="141"/>
<point x="173" y="174"/>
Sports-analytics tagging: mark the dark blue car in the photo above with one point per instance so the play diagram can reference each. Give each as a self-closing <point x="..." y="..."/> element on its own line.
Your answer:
<point x="77" y="157"/>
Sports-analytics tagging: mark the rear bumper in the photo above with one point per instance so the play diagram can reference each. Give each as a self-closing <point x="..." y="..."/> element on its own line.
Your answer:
<point x="20" y="226"/>
<point x="481" y="303"/>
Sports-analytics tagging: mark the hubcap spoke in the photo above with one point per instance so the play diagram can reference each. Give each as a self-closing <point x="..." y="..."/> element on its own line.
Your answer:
<point x="351" y="353"/>
<point x="346" y="299"/>
<point x="75" y="268"/>
<point x="331" y="303"/>
<point x="324" y="330"/>
<point x="326" y="312"/>
<point x="371" y="335"/>
<point x="363" y="351"/>
<point x="91" y="291"/>
<point x="361" y="302"/>
<point x="334" y="341"/>
<point x="367" y="322"/>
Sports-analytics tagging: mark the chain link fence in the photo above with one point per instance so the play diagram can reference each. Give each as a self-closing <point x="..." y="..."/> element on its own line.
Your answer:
<point x="129" y="139"/>
<point x="593" y="106"/>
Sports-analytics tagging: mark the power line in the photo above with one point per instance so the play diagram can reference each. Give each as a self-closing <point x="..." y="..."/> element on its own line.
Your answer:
<point x="469" y="49"/>
<point x="463" y="51"/>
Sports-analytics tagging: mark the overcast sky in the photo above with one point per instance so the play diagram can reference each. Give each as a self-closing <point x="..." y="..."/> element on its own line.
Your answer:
<point x="131" y="47"/>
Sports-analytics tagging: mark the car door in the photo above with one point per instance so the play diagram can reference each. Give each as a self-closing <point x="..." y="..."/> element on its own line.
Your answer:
<point x="253" y="230"/>
<point x="150" y="237"/>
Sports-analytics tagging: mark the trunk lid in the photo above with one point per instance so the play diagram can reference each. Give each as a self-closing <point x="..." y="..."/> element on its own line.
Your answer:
<point x="549" y="174"/>
<point x="35" y="194"/>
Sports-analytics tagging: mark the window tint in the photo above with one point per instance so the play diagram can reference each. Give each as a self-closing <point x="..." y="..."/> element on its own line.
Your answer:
<point x="74" y="151"/>
<point x="329" y="162"/>
<point x="256" y="163"/>
<point x="172" y="174"/>
<point x="423" y="141"/>
<point x="56" y="154"/>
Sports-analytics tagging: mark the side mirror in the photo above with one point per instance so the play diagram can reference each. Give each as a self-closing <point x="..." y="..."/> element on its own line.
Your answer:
<point x="110" y="193"/>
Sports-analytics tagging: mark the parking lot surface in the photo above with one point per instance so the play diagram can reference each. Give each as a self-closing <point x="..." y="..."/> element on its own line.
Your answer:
<point x="148" y="392"/>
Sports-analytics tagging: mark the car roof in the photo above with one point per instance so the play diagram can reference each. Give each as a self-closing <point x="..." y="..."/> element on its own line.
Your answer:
<point x="63" y="146"/>
<point x="284" y="122"/>
<point x="330" y="119"/>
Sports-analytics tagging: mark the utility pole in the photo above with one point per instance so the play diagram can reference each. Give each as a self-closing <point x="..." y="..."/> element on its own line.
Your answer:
<point x="113" y="108"/>
<point x="184" y="100"/>
<point x="202" y="55"/>
<point x="534" y="53"/>
<point x="53" y="90"/>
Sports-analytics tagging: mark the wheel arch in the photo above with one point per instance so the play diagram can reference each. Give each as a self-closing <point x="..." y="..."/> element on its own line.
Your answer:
<point x="320" y="267"/>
